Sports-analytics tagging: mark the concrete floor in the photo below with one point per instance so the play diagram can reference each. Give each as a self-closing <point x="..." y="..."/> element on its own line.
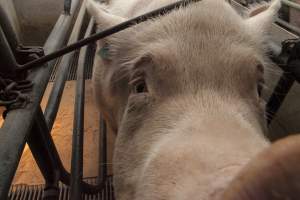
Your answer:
<point x="37" y="18"/>
<point x="28" y="171"/>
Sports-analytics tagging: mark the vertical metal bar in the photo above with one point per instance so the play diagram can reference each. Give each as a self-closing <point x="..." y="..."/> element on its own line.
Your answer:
<point x="8" y="61"/>
<point x="282" y="88"/>
<point x="78" y="128"/>
<point x="103" y="151"/>
<point x="9" y="31"/>
<point x="62" y="73"/>
<point x="67" y="6"/>
<point x="15" y="129"/>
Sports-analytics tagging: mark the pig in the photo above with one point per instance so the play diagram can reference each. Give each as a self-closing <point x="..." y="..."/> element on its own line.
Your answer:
<point x="182" y="91"/>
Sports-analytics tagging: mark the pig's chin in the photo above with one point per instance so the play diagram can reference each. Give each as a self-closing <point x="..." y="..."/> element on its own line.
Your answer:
<point x="192" y="183"/>
<point x="175" y="168"/>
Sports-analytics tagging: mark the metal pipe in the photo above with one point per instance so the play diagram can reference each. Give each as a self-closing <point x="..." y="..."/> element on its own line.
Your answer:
<point x="8" y="61"/>
<point x="78" y="127"/>
<point x="62" y="73"/>
<point x="39" y="145"/>
<point x="9" y="31"/>
<point x="105" y="33"/>
<point x="18" y="123"/>
<point x="67" y="6"/>
<point x="282" y="88"/>
<point x="288" y="25"/>
<point x="291" y="4"/>
<point x="103" y="150"/>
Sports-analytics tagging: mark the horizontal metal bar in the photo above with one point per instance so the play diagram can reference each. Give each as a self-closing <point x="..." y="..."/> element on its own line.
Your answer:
<point x="105" y="33"/>
<point x="291" y="4"/>
<point x="18" y="123"/>
<point x="78" y="126"/>
<point x="288" y="25"/>
<point x="62" y="73"/>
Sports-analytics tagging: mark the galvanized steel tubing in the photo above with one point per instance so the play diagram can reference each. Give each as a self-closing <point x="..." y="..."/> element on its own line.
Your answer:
<point x="18" y="123"/>
<point x="67" y="6"/>
<point x="8" y="61"/>
<point x="289" y="26"/>
<point x="78" y="125"/>
<point x="105" y="33"/>
<point x="103" y="151"/>
<point x="291" y="4"/>
<point x="62" y="73"/>
<point x="10" y="34"/>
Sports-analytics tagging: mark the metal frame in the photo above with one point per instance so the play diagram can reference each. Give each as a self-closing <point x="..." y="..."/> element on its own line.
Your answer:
<point x="35" y="130"/>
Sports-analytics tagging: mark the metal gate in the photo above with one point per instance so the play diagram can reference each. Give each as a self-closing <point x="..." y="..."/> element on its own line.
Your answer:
<point x="25" y="122"/>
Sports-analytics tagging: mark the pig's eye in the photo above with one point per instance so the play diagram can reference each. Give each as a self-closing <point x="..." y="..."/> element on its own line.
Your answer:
<point x="138" y="85"/>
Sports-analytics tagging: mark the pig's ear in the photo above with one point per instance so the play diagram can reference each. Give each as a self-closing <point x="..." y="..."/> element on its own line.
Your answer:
<point x="103" y="18"/>
<point x="262" y="16"/>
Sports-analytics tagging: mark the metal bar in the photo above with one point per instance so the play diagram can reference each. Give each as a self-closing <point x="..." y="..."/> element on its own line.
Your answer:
<point x="5" y="23"/>
<point x="291" y="4"/>
<point x="288" y="25"/>
<point x="282" y="88"/>
<point x="78" y="128"/>
<point x="36" y="141"/>
<point x="8" y="61"/>
<point x="18" y="122"/>
<point x="105" y="33"/>
<point x="39" y="146"/>
<point x="62" y="73"/>
<point x="103" y="151"/>
<point x="67" y="6"/>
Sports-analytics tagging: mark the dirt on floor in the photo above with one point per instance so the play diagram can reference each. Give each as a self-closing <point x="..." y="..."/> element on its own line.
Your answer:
<point x="28" y="172"/>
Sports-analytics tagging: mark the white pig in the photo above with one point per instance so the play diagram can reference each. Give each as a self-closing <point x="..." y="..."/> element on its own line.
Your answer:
<point x="183" y="94"/>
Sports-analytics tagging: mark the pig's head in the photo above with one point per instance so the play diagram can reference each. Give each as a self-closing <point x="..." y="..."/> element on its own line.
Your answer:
<point x="183" y="92"/>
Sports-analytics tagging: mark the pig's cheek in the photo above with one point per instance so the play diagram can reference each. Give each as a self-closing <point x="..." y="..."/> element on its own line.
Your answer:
<point x="137" y="110"/>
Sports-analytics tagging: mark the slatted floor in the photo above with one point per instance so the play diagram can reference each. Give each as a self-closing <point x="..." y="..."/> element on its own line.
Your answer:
<point x="35" y="192"/>
<point x="73" y="68"/>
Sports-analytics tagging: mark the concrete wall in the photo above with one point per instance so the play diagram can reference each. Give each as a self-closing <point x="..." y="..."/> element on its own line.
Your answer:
<point x="32" y="20"/>
<point x="37" y="18"/>
<point x="9" y="9"/>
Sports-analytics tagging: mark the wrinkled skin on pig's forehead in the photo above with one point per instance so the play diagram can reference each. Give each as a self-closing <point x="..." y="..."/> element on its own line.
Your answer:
<point x="191" y="31"/>
<point x="193" y="39"/>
